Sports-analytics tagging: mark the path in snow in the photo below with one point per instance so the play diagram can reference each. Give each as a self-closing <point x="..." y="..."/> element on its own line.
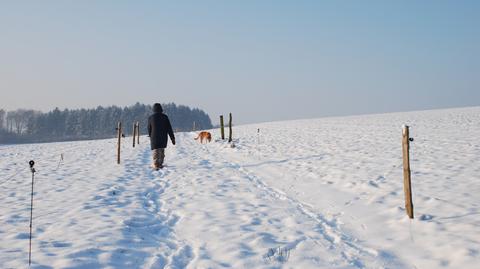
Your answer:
<point x="232" y="218"/>
<point x="88" y="211"/>
<point x="202" y="211"/>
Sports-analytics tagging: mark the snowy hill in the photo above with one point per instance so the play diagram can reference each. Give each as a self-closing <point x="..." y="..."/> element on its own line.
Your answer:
<point x="320" y="193"/>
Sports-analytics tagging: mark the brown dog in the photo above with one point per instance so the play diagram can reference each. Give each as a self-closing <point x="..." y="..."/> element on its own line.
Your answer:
<point x="204" y="135"/>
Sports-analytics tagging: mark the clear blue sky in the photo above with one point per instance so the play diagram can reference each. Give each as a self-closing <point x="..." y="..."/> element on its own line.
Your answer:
<point x="260" y="60"/>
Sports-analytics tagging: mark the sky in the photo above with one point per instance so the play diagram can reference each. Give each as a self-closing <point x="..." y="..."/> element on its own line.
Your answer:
<point x="260" y="60"/>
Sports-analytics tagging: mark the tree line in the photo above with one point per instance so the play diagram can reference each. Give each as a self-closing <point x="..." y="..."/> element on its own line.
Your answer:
<point x="30" y="126"/>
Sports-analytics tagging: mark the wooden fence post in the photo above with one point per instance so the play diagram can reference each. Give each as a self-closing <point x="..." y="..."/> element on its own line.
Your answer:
<point x="230" y="129"/>
<point x="138" y="133"/>
<point x="134" y="133"/>
<point x="407" y="184"/>
<point x="194" y="127"/>
<point x="222" y="131"/>
<point x="119" y="129"/>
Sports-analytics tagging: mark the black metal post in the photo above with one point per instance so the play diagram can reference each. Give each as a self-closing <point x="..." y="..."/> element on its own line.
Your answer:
<point x="32" y="163"/>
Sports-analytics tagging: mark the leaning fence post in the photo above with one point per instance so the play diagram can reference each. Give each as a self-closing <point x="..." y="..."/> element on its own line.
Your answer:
<point x="407" y="184"/>
<point x="222" y="131"/>
<point x="119" y="129"/>
<point x="230" y="129"/>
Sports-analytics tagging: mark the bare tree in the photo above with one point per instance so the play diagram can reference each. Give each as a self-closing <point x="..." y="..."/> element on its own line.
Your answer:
<point x="10" y="120"/>
<point x="2" y="118"/>
<point x="17" y="120"/>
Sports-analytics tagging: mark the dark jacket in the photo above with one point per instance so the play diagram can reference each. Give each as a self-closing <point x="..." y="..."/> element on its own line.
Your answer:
<point x="158" y="128"/>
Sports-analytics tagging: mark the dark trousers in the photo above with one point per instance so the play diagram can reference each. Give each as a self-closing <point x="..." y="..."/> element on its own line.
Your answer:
<point x="158" y="157"/>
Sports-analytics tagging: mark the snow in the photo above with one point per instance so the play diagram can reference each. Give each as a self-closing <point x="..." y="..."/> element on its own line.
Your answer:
<point x="316" y="193"/>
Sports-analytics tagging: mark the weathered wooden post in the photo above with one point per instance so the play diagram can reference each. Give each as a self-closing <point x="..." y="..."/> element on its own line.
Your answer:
<point x="134" y="133"/>
<point x="222" y="131"/>
<point x="138" y="133"/>
<point x="119" y="129"/>
<point x="194" y="127"/>
<point x="407" y="184"/>
<point x="230" y="129"/>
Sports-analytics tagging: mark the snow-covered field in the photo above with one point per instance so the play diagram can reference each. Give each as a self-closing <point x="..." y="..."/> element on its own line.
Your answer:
<point x="318" y="193"/>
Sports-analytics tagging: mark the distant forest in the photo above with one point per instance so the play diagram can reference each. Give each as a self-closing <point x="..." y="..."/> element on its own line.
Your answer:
<point x="30" y="126"/>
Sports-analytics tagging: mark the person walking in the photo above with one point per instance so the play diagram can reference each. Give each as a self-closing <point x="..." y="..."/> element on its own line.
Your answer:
<point x="158" y="128"/>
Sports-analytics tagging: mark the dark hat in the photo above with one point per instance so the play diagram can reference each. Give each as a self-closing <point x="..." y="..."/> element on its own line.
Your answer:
<point x="157" y="108"/>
